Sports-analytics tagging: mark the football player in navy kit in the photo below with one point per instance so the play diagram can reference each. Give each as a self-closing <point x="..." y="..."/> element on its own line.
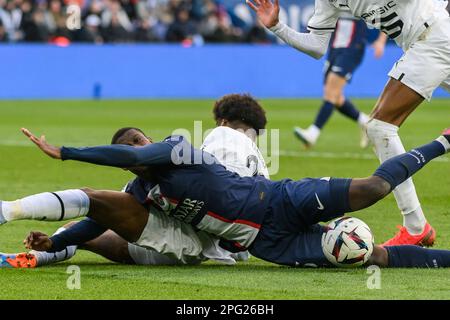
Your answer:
<point x="422" y="29"/>
<point x="275" y="220"/>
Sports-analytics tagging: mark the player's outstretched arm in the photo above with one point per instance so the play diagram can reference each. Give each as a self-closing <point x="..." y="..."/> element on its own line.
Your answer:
<point x="41" y="143"/>
<point x="121" y="156"/>
<point x="313" y="44"/>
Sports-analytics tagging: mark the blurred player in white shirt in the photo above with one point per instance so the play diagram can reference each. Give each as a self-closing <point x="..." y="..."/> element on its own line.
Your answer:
<point x="240" y="120"/>
<point x="422" y="29"/>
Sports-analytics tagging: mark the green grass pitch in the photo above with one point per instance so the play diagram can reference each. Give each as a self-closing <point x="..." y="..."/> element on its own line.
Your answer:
<point x="24" y="170"/>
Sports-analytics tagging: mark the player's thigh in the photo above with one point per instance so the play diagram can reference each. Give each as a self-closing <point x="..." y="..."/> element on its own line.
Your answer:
<point x="310" y="201"/>
<point x="414" y="77"/>
<point x="300" y="249"/>
<point x="118" y="211"/>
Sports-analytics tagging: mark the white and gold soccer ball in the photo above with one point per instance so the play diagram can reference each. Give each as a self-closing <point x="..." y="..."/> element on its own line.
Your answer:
<point x="348" y="242"/>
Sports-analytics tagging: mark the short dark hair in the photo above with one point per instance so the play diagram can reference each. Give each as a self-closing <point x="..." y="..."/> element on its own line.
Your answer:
<point x="241" y="107"/>
<point x="119" y="133"/>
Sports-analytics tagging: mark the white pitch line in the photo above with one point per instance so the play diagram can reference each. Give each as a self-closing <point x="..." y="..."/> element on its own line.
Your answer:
<point x="282" y="153"/>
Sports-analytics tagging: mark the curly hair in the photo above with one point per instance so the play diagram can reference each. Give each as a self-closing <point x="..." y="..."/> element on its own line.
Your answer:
<point x="243" y="108"/>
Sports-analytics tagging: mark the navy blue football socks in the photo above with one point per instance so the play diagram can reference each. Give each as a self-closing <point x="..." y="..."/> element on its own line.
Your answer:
<point x="324" y="114"/>
<point x="398" y="169"/>
<point x="407" y="256"/>
<point x="78" y="234"/>
<point x="349" y="110"/>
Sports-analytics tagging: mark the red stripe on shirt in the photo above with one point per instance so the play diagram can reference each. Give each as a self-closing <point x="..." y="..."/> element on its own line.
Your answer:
<point x="239" y="221"/>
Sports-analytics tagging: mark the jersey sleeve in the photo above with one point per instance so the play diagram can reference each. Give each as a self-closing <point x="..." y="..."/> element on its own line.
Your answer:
<point x="325" y="17"/>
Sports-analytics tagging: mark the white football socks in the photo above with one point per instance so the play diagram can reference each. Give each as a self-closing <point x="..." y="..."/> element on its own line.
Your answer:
<point x="61" y="205"/>
<point x="313" y="133"/>
<point x="45" y="258"/>
<point x="444" y="142"/>
<point x="363" y="119"/>
<point x="387" y="143"/>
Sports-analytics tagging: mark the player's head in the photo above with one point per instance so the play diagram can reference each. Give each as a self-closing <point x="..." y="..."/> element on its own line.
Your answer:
<point x="130" y="136"/>
<point x="240" y="111"/>
<point x="133" y="137"/>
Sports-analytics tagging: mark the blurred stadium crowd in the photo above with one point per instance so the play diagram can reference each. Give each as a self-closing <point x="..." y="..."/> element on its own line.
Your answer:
<point x="119" y="21"/>
<point x="113" y="21"/>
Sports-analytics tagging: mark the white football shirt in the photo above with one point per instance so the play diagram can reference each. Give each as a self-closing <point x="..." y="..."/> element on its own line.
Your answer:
<point x="236" y="151"/>
<point x="402" y="20"/>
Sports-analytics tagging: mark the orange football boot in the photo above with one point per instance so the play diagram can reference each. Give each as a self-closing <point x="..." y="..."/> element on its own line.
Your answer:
<point x="403" y="237"/>
<point x="19" y="260"/>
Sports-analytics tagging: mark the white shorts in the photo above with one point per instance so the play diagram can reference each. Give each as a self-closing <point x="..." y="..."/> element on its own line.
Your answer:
<point x="167" y="241"/>
<point x="149" y="257"/>
<point x="170" y="237"/>
<point x="426" y="64"/>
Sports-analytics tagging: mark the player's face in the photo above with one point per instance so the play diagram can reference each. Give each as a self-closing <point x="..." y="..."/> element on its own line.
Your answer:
<point x="136" y="139"/>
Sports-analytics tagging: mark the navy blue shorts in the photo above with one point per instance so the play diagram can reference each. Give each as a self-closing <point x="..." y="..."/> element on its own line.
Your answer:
<point x="343" y="61"/>
<point x="290" y="233"/>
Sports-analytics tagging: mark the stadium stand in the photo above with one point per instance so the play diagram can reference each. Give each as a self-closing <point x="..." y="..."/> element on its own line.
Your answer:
<point x="121" y="21"/>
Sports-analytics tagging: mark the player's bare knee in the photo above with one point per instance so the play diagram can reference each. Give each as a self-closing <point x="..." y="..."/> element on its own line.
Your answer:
<point x="332" y="95"/>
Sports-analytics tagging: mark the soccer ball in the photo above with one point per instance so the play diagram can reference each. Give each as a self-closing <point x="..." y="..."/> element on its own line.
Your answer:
<point x="348" y="242"/>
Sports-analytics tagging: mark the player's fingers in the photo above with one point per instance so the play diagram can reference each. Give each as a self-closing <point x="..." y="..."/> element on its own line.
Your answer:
<point x="252" y="5"/>
<point x="26" y="132"/>
<point x="30" y="136"/>
<point x="28" y="240"/>
<point x="35" y="140"/>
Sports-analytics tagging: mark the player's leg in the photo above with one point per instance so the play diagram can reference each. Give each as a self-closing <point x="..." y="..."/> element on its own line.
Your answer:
<point x="413" y="78"/>
<point x="408" y="256"/>
<point x="35" y="258"/>
<point x="393" y="172"/>
<point x="49" y="206"/>
<point x="118" y="211"/>
<point x="397" y="102"/>
<point x="113" y="247"/>
<point x="334" y="85"/>
<point x="296" y="249"/>
<point x="114" y="210"/>
<point x="110" y="246"/>
<point x="345" y="66"/>
<point x="311" y="201"/>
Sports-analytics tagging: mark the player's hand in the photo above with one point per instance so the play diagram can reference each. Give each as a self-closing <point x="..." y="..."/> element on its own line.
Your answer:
<point x="266" y="11"/>
<point x="37" y="241"/>
<point x="378" y="47"/>
<point x="51" y="151"/>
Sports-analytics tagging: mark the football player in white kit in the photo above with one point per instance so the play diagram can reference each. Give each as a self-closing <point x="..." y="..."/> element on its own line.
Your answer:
<point x="422" y="29"/>
<point x="240" y="119"/>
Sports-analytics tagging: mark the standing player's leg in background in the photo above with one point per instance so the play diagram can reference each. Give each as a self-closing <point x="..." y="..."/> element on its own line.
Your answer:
<point x="423" y="68"/>
<point x="333" y="98"/>
<point x="346" y="52"/>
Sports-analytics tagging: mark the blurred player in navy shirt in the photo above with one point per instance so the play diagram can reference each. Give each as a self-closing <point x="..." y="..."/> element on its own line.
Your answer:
<point x="345" y="54"/>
